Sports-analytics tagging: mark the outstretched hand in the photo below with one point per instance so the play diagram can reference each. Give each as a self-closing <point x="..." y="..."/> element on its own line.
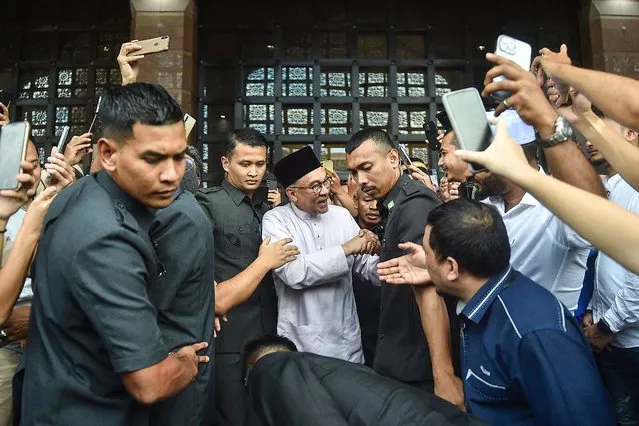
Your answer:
<point x="409" y="269"/>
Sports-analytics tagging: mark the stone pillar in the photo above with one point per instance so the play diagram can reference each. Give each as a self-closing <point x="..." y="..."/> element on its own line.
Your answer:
<point x="614" y="35"/>
<point x="176" y="69"/>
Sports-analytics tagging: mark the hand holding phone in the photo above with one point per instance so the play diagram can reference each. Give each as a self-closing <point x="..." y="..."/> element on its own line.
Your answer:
<point x="13" y="149"/>
<point x="152" y="45"/>
<point x="430" y="129"/>
<point x="517" y="51"/>
<point x="63" y="139"/>
<point x="468" y="117"/>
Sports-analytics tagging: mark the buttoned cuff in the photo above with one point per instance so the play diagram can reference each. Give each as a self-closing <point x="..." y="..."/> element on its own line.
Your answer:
<point x="614" y="321"/>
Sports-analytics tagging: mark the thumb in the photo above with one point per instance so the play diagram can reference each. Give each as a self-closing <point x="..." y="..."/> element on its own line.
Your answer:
<point x="54" y="151"/>
<point x="563" y="49"/>
<point x="266" y="241"/>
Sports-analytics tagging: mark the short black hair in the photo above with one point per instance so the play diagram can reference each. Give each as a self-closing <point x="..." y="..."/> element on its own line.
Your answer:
<point x="531" y="151"/>
<point x="379" y="137"/>
<point x="193" y="152"/>
<point x="254" y="348"/>
<point x="123" y="106"/>
<point x="248" y="136"/>
<point x="473" y="234"/>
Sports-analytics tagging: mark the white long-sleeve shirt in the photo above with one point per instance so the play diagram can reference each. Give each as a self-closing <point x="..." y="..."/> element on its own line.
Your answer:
<point x="616" y="294"/>
<point x="316" y="306"/>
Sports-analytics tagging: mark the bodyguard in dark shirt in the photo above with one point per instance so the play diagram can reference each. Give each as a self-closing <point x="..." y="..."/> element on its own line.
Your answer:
<point x="402" y="350"/>
<point x="525" y="359"/>
<point x="184" y="298"/>
<point x="95" y="352"/>
<point x="245" y="292"/>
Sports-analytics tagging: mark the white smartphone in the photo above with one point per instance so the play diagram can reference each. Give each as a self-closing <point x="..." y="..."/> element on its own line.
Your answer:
<point x="13" y="149"/>
<point x="189" y="124"/>
<point x="517" y="51"/>
<point x="63" y="139"/>
<point x="466" y="112"/>
<point x="403" y="155"/>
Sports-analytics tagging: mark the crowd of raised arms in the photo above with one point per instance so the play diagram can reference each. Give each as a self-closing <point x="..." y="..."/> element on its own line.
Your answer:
<point x="504" y="293"/>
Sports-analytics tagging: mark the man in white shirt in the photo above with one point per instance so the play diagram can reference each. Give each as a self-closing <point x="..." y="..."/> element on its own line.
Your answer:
<point x="543" y="247"/>
<point x="612" y="323"/>
<point x="316" y="306"/>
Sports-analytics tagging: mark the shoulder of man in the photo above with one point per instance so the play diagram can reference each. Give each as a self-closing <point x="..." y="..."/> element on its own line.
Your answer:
<point x="412" y="189"/>
<point x="531" y="307"/>
<point x="204" y="195"/>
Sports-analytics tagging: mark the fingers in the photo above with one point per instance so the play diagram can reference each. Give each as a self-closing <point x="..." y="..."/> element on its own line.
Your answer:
<point x="509" y="85"/>
<point x="470" y="156"/>
<point x="283" y="241"/>
<point x="266" y="241"/>
<point x="128" y="48"/>
<point x="197" y="347"/>
<point x="48" y="194"/>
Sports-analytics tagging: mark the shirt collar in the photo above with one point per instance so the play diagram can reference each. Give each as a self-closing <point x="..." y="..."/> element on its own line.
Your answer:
<point x="387" y="203"/>
<point x="483" y="299"/>
<point x="236" y="195"/>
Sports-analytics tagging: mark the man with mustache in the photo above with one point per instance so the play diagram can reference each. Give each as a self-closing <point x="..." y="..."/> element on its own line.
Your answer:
<point x="316" y="307"/>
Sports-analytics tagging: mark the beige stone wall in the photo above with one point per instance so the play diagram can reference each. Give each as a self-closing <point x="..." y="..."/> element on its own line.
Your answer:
<point x="175" y="69"/>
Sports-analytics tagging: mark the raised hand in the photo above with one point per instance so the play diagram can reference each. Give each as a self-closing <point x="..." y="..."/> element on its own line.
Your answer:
<point x="12" y="199"/>
<point x="279" y="253"/>
<point x="422" y="177"/>
<point x="129" y="65"/>
<point x="409" y="269"/>
<point x="60" y="172"/>
<point x="77" y="149"/>
<point x="4" y="115"/>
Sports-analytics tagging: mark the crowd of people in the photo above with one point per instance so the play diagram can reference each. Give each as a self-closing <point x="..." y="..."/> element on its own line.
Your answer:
<point x="129" y="295"/>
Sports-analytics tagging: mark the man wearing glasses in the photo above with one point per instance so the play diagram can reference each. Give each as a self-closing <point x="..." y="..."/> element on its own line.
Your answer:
<point x="315" y="292"/>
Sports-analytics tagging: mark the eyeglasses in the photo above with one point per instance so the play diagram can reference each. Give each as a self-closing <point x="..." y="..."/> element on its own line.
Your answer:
<point x="316" y="188"/>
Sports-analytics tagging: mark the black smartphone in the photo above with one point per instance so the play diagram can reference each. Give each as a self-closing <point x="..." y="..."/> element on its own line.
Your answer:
<point x="468" y="117"/>
<point x="443" y="119"/>
<point x="431" y="136"/>
<point x="5" y="98"/>
<point x="13" y="149"/>
<point x="271" y="185"/>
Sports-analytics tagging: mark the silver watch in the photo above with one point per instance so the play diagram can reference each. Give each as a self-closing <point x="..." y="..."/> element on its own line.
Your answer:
<point x="563" y="132"/>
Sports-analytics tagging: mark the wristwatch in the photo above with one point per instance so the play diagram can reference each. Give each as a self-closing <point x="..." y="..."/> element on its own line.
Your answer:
<point x="563" y="132"/>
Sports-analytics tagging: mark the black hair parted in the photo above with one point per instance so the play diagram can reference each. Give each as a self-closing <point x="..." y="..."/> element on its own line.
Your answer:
<point x="247" y="136"/>
<point x="255" y="347"/>
<point x="124" y="106"/>
<point x="473" y="234"/>
<point x="379" y="137"/>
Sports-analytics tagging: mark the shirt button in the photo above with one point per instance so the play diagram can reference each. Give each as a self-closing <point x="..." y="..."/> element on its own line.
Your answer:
<point x="240" y="229"/>
<point x="381" y="335"/>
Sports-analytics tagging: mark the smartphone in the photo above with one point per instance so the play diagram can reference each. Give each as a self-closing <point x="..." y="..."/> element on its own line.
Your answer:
<point x="517" y="51"/>
<point x="328" y="165"/>
<point x="431" y="136"/>
<point x="404" y="155"/>
<point x="189" y="124"/>
<point x="468" y="117"/>
<point x="63" y="139"/>
<point x="13" y="149"/>
<point x="271" y="185"/>
<point x="95" y="115"/>
<point x="442" y="117"/>
<point x="152" y="45"/>
<point x="5" y="98"/>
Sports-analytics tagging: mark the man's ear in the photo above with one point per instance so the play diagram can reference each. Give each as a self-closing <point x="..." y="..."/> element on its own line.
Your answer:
<point x="393" y="156"/>
<point x="225" y="163"/>
<point x="108" y="151"/>
<point x="453" y="269"/>
<point x="630" y="135"/>
<point x="291" y="194"/>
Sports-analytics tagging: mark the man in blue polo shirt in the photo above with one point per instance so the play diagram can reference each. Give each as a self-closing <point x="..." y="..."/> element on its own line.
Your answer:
<point x="524" y="358"/>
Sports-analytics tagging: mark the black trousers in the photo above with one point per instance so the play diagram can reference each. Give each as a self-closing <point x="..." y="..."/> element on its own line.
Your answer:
<point x="232" y="403"/>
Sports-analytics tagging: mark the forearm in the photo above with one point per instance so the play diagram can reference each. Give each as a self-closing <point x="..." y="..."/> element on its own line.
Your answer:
<point x="319" y="268"/>
<point x="14" y="272"/>
<point x="238" y="289"/>
<point x="577" y="208"/>
<point x="434" y="317"/>
<point x="568" y="164"/>
<point x="346" y="201"/>
<point x="621" y="155"/>
<point x="613" y="94"/>
<point x="160" y="381"/>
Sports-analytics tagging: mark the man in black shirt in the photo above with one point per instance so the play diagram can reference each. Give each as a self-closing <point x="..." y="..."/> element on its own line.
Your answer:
<point x="245" y="292"/>
<point x="184" y="298"/>
<point x="95" y="354"/>
<point x="402" y="351"/>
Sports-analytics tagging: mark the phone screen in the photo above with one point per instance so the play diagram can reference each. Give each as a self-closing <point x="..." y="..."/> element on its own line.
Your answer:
<point x="468" y="117"/>
<point x="13" y="148"/>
